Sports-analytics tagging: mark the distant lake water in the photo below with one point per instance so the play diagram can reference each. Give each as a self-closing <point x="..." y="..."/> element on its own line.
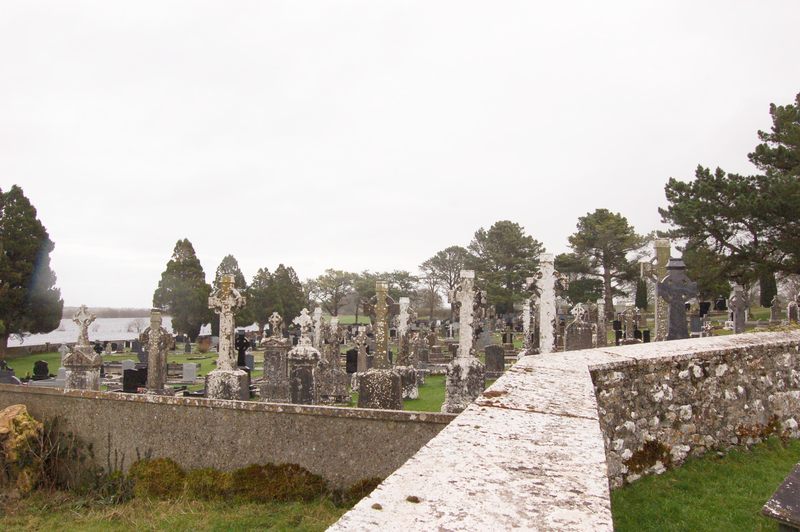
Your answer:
<point x="101" y="329"/>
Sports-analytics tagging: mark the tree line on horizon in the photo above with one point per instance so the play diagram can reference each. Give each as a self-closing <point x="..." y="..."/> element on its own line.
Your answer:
<point x="729" y="228"/>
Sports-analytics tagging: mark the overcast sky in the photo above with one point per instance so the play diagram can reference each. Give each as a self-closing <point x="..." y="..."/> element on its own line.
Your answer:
<point x="365" y="135"/>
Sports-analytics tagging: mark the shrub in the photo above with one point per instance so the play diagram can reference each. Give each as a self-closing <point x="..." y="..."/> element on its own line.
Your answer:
<point x="161" y="477"/>
<point x="208" y="484"/>
<point x="283" y="483"/>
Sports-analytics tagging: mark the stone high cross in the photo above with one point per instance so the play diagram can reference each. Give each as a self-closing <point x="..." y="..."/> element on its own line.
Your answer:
<point x="226" y="302"/>
<point x="465" y="298"/>
<point x="381" y="359"/>
<point x="83" y="318"/>
<point x="318" y="327"/>
<point x="305" y="322"/>
<point x="737" y="305"/>
<point x="547" y="279"/>
<point x="677" y="289"/>
<point x="655" y="270"/>
<point x="275" y="324"/>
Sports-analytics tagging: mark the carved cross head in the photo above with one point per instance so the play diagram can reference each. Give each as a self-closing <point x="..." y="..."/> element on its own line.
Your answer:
<point x="304" y="321"/>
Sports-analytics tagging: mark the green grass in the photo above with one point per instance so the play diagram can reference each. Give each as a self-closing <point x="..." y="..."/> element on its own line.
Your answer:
<point x="58" y="511"/>
<point x="708" y="494"/>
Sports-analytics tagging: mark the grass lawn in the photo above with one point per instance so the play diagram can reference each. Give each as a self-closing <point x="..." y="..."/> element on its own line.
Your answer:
<point x="708" y="494"/>
<point x="58" y="511"/>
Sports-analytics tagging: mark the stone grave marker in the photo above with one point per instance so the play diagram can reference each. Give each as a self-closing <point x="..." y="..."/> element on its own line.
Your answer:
<point x="227" y="381"/>
<point x="303" y="360"/>
<point x="578" y="334"/>
<point x="495" y="357"/>
<point x="40" y="370"/>
<point x="274" y="385"/>
<point x="466" y="375"/>
<point x="158" y="340"/>
<point x="189" y="373"/>
<point x="776" y="311"/>
<point x="676" y="288"/>
<point x="82" y="362"/>
<point x="380" y="386"/>
<point x="404" y="365"/>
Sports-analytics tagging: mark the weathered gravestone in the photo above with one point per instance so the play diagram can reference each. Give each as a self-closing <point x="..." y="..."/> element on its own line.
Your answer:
<point x="63" y="350"/>
<point x="737" y="305"/>
<point x="331" y="379"/>
<point x="82" y="362"/>
<point x="274" y="386"/>
<point x="157" y="340"/>
<point x="676" y="288"/>
<point x="466" y="374"/>
<point x="303" y="360"/>
<point x="495" y="357"/>
<point x="242" y="344"/>
<point x="133" y="379"/>
<point x="227" y="381"/>
<point x="404" y="366"/>
<point x="189" y="374"/>
<point x="776" y="311"/>
<point x="380" y="386"/>
<point x="578" y="334"/>
<point x="546" y="282"/>
<point x="656" y="270"/>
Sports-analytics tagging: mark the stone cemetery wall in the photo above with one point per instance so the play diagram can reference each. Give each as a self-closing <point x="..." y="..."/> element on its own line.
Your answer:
<point x="539" y="449"/>
<point x="660" y="408"/>
<point x="344" y="445"/>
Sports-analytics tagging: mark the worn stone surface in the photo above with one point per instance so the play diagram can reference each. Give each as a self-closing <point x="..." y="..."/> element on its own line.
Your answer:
<point x="465" y="380"/>
<point x="157" y="339"/>
<point x="82" y="362"/>
<point x="274" y="385"/>
<point x="676" y="288"/>
<point x="495" y="357"/>
<point x="537" y="450"/>
<point x="227" y="381"/>
<point x="228" y="435"/>
<point x="380" y="388"/>
<point x="546" y="283"/>
<point x="303" y="360"/>
<point x="737" y="304"/>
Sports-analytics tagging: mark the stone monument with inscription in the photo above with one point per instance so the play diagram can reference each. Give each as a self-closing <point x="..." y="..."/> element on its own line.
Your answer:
<point x="380" y="386"/>
<point x="274" y="386"/>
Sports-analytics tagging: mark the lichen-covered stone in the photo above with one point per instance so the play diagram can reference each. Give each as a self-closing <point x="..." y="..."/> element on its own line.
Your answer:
<point x="228" y="384"/>
<point x="380" y="388"/>
<point x="408" y="378"/>
<point x="19" y="434"/>
<point x="465" y="381"/>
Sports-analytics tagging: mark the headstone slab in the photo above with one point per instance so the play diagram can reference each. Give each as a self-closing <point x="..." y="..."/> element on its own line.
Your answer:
<point x="408" y="381"/>
<point x="495" y="357"/>
<point x="189" y="373"/>
<point x="381" y="389"/>
<point x="465" y="381"/>
<point x="784" y="505"/>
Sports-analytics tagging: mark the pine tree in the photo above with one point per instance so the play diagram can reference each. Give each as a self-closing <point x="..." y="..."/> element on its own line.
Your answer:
<point x="605" y="240"/>
<point x="29" y="300"/>
<point x="183" y="292"/>
<point x="503" y="257"/>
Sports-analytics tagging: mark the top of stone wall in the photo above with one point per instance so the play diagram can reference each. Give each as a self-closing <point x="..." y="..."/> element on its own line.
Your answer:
<point x="199" y="402"/>
<point x="528" y="453"/>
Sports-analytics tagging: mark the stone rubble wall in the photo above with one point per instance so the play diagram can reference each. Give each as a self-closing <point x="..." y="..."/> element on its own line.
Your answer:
<point x="710" y="394"/>
<point x="540" y="449"/>
<point x="344" y="445"/>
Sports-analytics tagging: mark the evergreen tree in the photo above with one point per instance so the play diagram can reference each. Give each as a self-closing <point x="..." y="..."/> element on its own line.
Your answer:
<point x="230" y="266"/>
<point x="503" y="257"/>
<point x="290" y="292"/>
<point x="748" y="223"/>
<point x="29" y="300"/>
<point x="584" y="286"/>
<point x="183" y="292"/>
<point x="605" y="240"/>
<point x="279" y="292"/>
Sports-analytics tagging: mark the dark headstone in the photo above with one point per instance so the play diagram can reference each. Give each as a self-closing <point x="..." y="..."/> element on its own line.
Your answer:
<point x="7" y="377"/>
<point x="617" y="336"/>
<point x="352" y="361"/>
<point x="40" y="370"/>
<point x="242" y="343"/>
<point x="187" y="348"/>
<point x="143" y="356"/>
<point x="495" y="357"/>
<point x="133" y="379"/>
<point x="136" y="347"/>
<point x="720" y="304"/>
<point x="705" y="307"/>
<point x="616" y="325"/>
<point x="695" y="324"/>
<point x="98" y="348"/>
<point x="646" y="336"/>
<point x="302" y="385"/>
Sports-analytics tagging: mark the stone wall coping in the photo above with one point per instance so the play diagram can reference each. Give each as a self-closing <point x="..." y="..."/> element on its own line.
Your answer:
<point x="529" y="453"/>
<point x="200" y="402"/>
